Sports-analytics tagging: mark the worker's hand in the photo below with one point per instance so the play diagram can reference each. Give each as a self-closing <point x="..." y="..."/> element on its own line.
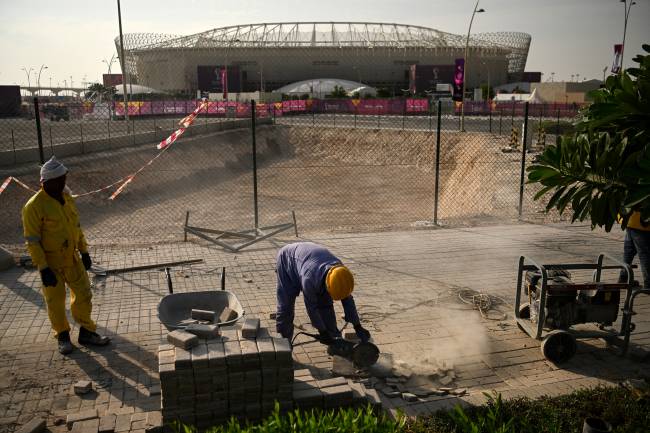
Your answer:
<point x="85" y="258"/>
<point x="362" y="333"/>
<point x="325" y="337"/>
<point x="48" y="277"/>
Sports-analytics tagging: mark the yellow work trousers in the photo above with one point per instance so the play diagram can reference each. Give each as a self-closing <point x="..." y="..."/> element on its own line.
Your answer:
<point x="76" y="278"/>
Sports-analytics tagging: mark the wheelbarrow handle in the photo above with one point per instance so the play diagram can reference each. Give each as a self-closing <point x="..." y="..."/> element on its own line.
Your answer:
<point x="169" y="280"/>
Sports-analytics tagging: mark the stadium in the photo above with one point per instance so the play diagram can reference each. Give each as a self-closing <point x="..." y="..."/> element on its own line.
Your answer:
<point x="267" y="56"/>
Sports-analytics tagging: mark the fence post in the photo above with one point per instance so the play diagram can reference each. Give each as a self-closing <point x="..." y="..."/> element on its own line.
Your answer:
<point x="430" y="107"/>
<point x="500" y="121"/>
<point x="378" y="120"/>
<point x="51" y="143"/>
<point x="490" y="114"/>
<point x="109" y="132"/>
<point x="512" y="121"/>
<point x="524" y="145"/>
<point x="437" y="188"/>
<point x="356" y="110"/>
<point x="39" y="133"/>
<point x="403" y="114"/>
<point x="81" y="133"/>
<point x="254" y="165"/>
<point x="13" y="144"/>
<point x="557" y="127"/>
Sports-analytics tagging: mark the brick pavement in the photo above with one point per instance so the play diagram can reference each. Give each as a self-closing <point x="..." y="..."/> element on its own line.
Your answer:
<point x="407" y="294"/>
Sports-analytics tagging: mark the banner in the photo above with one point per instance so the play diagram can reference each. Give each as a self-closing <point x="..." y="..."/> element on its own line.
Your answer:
<point x="616" y="64"/>
<point x="224" y="81"/>
<point x="458" y="79"/>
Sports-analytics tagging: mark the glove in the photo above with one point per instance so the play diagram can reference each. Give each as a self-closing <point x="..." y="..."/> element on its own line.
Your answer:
<point x="85" y="258"/>
<point x="362" y="333"/>
<point x="48" y="277"/>
<point x="325" y="337"/>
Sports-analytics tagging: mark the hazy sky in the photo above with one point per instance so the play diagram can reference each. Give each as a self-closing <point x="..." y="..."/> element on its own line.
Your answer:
<point x="72" y="37"/>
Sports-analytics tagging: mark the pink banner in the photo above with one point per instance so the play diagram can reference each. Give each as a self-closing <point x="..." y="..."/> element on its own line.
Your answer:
<point x="417" y="105"/>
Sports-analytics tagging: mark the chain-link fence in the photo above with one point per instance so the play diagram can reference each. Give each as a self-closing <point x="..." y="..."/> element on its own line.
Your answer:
<point x="338" y="167"/>
<point x="378" y="154"/>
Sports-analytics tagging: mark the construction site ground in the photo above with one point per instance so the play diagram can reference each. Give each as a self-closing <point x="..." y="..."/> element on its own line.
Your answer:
<point x="407" y="291"/>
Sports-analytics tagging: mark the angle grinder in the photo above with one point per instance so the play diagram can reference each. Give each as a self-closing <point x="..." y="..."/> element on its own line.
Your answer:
<point x="362" y="354"/>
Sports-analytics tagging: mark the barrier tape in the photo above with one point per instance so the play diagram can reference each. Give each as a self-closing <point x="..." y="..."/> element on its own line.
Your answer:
<point x="162" y="146"/>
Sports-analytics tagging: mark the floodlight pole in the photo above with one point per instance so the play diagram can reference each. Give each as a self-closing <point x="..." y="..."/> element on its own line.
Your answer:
<point x="627" y="15"/>
<point x="123" y="63"/>
<point x="462" y="105"/>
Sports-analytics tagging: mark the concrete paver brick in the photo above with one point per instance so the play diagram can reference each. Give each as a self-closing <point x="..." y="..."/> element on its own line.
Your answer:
<point x="183" y="358"/>
<point x="250" y="356"/>
<point x="227" y="315"/>
<point x="216" y="354"/>
<point x="199" y="356"/>
<point x="308" y="398"/>
<point x="87" y="426"/>
<point x="335" y="381"/>
<point x="207" y="315"/>
<point x="282" y="351"/>
<point x="233" y="355"/>
<point x="203" y="331"/>
<point x="107" y="423"/>
<point x="36" y="425"/>
<point x="335" y="396"/>
<point x="266" y="351"/>
<point x="250" y="327"/>
<point x="83" y="387"/>
<point x="80" y="416"/>
<point x="182" y="339"/>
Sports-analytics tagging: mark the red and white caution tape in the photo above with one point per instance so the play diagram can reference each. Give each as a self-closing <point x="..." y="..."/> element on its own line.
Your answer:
<point x="5" y="184"/>
<point x="170" y="140"/>
<point x="8" y="180"/>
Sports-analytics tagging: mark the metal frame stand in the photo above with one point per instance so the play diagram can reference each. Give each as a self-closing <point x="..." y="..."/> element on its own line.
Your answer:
<point x="243" y="238"/>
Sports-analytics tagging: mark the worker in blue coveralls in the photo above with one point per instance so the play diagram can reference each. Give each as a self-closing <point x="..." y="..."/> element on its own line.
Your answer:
<point x="312" y="269"/>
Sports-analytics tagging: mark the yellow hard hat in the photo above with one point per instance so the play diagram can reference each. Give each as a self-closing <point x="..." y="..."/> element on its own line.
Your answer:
<point x="340" y="282"/>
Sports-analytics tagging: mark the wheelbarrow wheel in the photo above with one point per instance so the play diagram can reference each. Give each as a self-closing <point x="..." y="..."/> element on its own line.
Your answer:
<point x="559" y="346"/>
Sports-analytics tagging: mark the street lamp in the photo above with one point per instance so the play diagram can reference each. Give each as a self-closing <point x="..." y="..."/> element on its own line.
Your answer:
<point x="462" y="106"/>
<point x="29" y="84"/>
<point x="627" y="15"/>
<point x="109" y="63"/>
<point x="39" y="78"/>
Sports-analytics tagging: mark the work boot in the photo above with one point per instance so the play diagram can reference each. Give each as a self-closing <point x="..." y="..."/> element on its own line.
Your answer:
<point x="65" y="345"/>
<point x="91" y="338"/>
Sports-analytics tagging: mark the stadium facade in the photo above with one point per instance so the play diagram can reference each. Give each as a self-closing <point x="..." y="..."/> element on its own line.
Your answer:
<point x="268" y="56"/>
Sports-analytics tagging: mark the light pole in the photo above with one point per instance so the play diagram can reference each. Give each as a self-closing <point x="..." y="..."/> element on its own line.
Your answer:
<point x="462" y="106"/>
<point x="109" y="63"/>
<point x="627" y="15"/>
<point x="29" y="83"/>
<point x="123" y="64"/>
<point x="604" y="72"/>
<point x="39" y="78"/>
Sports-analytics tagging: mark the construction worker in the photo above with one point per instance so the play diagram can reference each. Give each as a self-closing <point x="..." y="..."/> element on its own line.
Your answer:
<point x="312" y="269"/>
<point x="637" y="241"/>
<point x="55" y="242"/>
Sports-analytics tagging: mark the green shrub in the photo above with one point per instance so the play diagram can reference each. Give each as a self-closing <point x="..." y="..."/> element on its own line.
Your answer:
<point x="563" y="127"/>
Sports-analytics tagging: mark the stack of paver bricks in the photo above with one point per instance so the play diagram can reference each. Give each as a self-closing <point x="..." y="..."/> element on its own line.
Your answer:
<point x="241" y="373"/>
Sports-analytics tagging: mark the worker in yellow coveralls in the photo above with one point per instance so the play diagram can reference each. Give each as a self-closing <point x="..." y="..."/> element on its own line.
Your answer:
<point x="59" y="250"/>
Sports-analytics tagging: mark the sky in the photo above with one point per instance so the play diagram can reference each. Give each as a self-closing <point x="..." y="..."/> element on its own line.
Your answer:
<point x="72" y="37"/>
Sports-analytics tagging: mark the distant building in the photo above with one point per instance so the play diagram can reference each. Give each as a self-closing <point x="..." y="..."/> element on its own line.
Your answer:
<point x="267" y="56"/>
<point x="565" y="92"/>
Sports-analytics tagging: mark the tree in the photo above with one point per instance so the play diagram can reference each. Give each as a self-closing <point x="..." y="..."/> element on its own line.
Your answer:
<point x="100" y="90"/>
<point x="603" y="170"/>
<point x="338" y="92"/>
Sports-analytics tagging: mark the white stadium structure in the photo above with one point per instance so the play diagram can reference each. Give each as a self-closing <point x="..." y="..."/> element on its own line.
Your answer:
<point x="268" y="56"/>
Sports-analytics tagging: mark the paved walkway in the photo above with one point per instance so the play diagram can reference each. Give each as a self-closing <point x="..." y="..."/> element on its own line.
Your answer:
<point x="408" y="287"/>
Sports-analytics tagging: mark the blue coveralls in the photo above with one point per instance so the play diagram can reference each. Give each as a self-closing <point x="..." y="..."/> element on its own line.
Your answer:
<point x="303" y="266"/>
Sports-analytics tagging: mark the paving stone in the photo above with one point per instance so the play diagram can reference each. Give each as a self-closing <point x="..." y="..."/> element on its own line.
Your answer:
<point x="445" y="380"/>
<point x="342" y="366"/>
<point x="208" y="316"/>
<point x="227" y="315"/>
<point x="154" y="390"/>
<point x="336" y="396"/>
<point x="182" y="339"/>
<point x="80" y="416"/>
<point x="216" y="354"/>
<point x="407" y="396"/>
<point x="87" y="426"/>
<point x="335" y="381"/>
<point x="282" y="351"/>
<point x="266" y="352"/>
<point x="308" y="398"/>
<point x="207" y="332"/>
<point x="358" y="392"/>
<point x="302" y="372"/>
<point x="83" y="387"/>
<point x="199" y="355"/>
<point x="183" y="358"/>
<point x="36" y="425"/>
<point x="250" y="357"/>
<point x="250" y="327"/>
<point x="390" y="392"/>
<point x="107" y="423"/>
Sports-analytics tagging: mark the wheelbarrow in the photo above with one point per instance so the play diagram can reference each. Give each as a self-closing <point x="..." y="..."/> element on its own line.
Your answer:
<point x="175" y="309"/>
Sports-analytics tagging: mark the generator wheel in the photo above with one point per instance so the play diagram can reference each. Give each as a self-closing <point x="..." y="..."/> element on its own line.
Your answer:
<point x="559" y="346"/>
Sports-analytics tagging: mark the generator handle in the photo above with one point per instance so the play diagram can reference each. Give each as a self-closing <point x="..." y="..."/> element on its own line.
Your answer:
<point x="619" y="265"/>
<point x="542" y="300"/>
